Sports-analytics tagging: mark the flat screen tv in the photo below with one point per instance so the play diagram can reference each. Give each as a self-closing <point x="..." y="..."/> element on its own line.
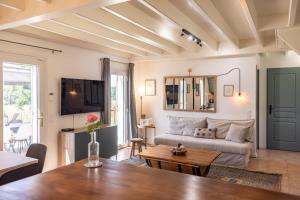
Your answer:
<point x="81" y="96"/>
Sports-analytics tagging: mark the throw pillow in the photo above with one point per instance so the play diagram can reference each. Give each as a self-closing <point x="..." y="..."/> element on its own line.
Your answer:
<point x="205" y="133"/>
<point x="191" y="123"/>
<point x="176" y="125"/>
<point x="237" y="133"/>
<point x="249" y="123"/>
<point x="221" y="125"/>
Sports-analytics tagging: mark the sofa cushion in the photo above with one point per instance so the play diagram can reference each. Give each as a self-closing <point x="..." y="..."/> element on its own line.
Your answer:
<point x="191" y="124"/>
<point x="175" y="126"/>
<point x="209" y="144"/>
<point x="221" y="125"/>
<point x="205" y="133"/>
<point x="237" y="133"/>
<point x="184" y="125"/>
<point x="249" y="123"/>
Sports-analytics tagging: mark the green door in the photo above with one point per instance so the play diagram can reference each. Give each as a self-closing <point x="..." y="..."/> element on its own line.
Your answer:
<point x="284" y="109"/>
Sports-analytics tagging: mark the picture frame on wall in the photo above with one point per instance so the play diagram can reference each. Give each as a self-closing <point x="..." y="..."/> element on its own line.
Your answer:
<point x="228" y="90"/>
<point x="150" y="87"/>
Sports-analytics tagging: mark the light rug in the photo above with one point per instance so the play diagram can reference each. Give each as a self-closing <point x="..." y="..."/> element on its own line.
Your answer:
<point x="233" y="175"/>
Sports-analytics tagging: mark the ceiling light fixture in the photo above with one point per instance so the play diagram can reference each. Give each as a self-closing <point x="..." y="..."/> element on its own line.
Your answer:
<point x="191" y="37"/>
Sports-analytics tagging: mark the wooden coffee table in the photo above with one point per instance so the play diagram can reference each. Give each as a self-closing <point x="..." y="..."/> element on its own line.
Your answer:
<point x="196" y="161"/>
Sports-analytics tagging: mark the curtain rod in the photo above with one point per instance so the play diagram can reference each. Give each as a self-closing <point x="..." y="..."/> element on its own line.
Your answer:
<point x="29" y="45"/>
<point x="115" y="61"/>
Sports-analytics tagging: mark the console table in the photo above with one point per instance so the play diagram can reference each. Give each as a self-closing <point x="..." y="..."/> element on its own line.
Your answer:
<point x="74" y="144"/>
<point x="146" y="133"/>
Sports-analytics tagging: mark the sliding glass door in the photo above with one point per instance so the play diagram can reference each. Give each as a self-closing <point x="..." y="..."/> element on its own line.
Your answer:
<point x="118" y="108"/>
<point x="22" y="114"/>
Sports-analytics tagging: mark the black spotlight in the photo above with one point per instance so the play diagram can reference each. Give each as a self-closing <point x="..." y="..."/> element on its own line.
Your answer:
<point x="191" y="37"/>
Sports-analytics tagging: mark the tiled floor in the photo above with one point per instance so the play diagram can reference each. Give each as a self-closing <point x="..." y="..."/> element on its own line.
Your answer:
<point x="283" y="162"/>
<point x="270" y="161"/>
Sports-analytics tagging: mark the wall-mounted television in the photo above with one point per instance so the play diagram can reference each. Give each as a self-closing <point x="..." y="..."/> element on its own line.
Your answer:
<point x="81" y="96"/>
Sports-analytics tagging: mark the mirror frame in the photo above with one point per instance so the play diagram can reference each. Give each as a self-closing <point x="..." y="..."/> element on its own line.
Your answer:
<point x="189" y="110"/>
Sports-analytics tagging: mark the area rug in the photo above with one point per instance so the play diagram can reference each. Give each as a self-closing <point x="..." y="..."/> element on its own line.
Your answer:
<point x="233" y="175"/>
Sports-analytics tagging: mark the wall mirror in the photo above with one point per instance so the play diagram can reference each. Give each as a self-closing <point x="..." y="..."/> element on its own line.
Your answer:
<point x="190" y="93"/>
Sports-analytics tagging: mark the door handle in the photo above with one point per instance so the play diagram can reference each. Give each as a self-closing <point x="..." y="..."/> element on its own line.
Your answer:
<point x="270" y="109"/>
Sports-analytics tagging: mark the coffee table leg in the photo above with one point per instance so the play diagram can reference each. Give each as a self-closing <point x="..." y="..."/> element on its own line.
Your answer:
<point x="201" y="171"/>
<point x="148" y="161"/>
<point x="205" y="171"/>
<point x="145" y="138"/>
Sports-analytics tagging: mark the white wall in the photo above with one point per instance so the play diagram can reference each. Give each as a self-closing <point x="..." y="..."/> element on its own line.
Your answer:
<point x="227" y="107"/>
<point x="72" y="63"/>
<point x="271" y="60"/>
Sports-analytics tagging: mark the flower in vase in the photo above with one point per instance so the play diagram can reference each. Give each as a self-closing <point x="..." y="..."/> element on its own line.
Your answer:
<point x="93" y="122"/>
<point x="91" y="118"/>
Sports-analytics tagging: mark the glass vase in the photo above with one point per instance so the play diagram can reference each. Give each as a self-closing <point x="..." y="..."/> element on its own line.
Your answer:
<point x="93" y="152"/>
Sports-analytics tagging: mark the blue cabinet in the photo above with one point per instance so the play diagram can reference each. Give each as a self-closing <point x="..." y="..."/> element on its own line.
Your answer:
<point x="74" y="145"/>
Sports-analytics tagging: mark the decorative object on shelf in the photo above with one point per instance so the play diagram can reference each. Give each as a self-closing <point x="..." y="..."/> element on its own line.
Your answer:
<point x="228" y="90"/>
<point x="141" y="93"/>
<point x="189" y="71"/>
<point x="146" y="122"/>
<point x="150" y="87"/>
<point x="179" y="150"/>
<point x="93" y="147"/>
<point x="239" y="70"/>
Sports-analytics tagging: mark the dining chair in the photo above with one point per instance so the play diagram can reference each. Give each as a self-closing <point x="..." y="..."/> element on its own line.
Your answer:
<point x="37" y="151"/>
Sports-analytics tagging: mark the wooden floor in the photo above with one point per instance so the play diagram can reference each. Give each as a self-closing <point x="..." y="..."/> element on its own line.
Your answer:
<point x="270" y="161"/>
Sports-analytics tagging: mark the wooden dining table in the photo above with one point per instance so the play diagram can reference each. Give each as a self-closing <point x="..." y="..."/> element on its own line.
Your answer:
<point x="10" y="161"/>
<point x="116" y="181"/>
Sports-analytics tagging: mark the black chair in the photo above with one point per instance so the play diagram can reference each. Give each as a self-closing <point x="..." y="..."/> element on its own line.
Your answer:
<point x="37" y="151"/>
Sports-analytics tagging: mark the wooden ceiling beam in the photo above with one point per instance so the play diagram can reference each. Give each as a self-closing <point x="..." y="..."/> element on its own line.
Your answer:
<point x="34" y="11"/>
<point x="251" y="16"/>
<point x="292" y="12"/>
<point x="16" y="5"/>
<point x="69" y="31"/>
<point x="290" y="36"/>
<point x="53" y="37"/>
<point x="247" y="47"/>
<point x="170" y="11"/>
<point x="272" y="22"/>
<point x="211" y="14"/>
<point x="115" y="23"/>
<point x="139" y="18"/>
<point x="85" y="24"/>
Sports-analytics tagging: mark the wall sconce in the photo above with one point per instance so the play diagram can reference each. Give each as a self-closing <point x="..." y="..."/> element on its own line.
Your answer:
<point x="191" y="37"/>
<point x="239" y="70"/>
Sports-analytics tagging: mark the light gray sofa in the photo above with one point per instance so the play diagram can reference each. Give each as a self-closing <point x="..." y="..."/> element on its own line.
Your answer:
<point x="233" y="154"/>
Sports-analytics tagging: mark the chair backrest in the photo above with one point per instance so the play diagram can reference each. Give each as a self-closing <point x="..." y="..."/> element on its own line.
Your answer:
<point x="38" y="151"/>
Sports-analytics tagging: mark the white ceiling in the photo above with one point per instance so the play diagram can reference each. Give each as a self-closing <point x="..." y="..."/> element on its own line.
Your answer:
<point x="147" y="28"/>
